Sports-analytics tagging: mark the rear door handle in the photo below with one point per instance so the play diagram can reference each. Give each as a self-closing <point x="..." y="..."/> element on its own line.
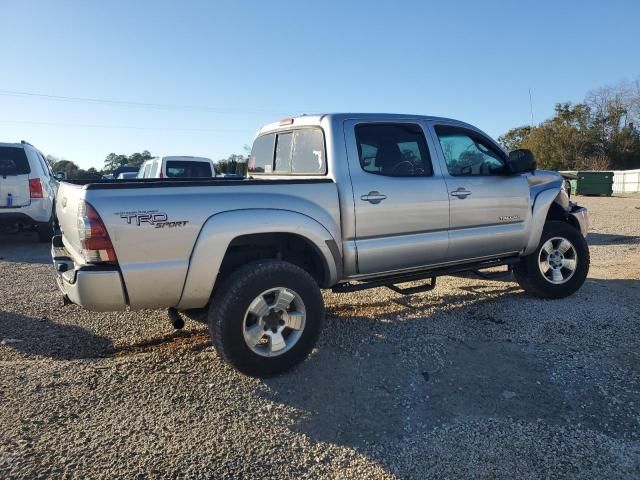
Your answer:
<point x="461" y="193"/>
<point x="373" y="197"/>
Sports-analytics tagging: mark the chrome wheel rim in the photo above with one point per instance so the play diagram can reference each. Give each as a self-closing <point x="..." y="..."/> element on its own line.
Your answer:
<point x="557" y="260"/>
<point x="274" y="322"/>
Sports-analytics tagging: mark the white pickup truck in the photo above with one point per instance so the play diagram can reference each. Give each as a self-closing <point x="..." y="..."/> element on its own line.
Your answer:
<point x="340" y="201"/>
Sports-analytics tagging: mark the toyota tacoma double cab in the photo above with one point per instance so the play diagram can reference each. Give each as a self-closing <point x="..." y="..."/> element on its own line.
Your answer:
<point x="337" y="201"/>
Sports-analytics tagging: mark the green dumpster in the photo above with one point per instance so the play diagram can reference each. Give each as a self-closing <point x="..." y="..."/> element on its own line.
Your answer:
<point x="572" y="178"/>
<point x="594" y="183"/>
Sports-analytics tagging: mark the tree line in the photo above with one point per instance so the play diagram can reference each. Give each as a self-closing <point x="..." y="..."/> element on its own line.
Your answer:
<point x="235" y="163"/>
<point x="600" y="133"/>
<point x="111" y="163"/>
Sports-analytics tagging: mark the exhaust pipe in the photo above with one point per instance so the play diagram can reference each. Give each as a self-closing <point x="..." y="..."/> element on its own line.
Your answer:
<point x="175" y="319"/>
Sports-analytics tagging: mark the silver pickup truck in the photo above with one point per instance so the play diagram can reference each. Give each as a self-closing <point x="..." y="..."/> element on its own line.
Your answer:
<point x="338" y="201"/>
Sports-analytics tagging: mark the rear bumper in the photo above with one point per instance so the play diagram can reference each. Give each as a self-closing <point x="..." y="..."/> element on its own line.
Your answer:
<point x="581" y="216"/>
<point x="39" y="211"/>
<point x="94" y="287"/>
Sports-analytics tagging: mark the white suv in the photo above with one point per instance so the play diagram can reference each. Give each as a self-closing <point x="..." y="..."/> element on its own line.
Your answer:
<point x="27" y="189"/>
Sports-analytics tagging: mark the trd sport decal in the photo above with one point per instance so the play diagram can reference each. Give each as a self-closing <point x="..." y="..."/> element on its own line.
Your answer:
<point x="151" y="217"/>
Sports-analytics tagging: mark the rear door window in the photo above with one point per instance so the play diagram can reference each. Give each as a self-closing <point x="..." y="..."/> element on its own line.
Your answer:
<point x="189" y="169"/>
<point x="13" y="161"/>
<point x="44" y="164"/>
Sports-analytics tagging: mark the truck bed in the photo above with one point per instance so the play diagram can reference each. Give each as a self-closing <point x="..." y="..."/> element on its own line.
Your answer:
<point x="155" y="224"/>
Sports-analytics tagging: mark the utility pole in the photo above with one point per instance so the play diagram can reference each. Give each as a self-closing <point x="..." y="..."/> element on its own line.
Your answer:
<point x="531" y="107"/>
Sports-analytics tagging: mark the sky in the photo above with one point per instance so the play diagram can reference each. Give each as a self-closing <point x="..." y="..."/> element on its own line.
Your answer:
<point x="201" y="77"/>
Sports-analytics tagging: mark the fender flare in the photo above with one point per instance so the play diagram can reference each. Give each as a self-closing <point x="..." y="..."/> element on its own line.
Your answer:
<point x="221" y="229"/>
<point x="541" y="207"/>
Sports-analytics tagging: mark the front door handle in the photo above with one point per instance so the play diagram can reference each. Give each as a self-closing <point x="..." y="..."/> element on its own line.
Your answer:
<point x="373" y="197"/>
<point x="461" y="193"/>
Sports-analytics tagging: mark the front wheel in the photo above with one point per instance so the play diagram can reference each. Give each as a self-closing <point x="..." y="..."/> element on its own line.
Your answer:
<point x="266" y="317"/>
<point x="559" y="265"/>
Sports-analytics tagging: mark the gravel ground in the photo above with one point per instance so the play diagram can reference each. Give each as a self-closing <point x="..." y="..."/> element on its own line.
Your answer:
<point x="474" y="379"/>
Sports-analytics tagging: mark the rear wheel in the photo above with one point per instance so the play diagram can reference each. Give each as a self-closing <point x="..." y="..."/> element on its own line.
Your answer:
<point x="559" y="265"/>
<point x="266" y="317"/>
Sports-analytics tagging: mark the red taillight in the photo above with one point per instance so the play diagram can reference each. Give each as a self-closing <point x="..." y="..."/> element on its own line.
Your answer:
<point x="94" y="239"/>
<point x="161" y="175"/>
<point x="286" y="121"/>
<point x="35" y="188"/>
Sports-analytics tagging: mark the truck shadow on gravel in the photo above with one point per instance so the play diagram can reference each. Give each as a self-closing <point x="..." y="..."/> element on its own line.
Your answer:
<point x="611" y="239"/>
<point x="399" y="378"/>
<point x="43" y="337"/>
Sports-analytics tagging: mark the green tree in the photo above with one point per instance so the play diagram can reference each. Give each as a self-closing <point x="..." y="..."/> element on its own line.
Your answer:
<point x="69" y="168"/>
<point x="137" y="159"/>
<point x="234" y="163"/>
<point x="72" y="171"/>
<point x="113" y="160"/>
<point x="512" y="140"/>
<point x="600" y="133"/>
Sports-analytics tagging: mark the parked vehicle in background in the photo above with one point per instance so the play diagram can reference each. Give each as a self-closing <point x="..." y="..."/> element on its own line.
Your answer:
<point x="27" y="189"/>
<point x="177" y="167"/>
<point x="232" y="176"/>
<point x="123" y="169"/>
<point x="340" y="201"/>
<point x="125" y="175"/>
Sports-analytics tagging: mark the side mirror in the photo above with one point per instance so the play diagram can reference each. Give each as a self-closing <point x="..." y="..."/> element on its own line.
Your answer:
<point x="60" y="176"/>
<point x="521" y="161"/>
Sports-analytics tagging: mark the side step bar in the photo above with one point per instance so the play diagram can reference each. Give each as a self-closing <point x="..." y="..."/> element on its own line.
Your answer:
<point x="391" y="280"/>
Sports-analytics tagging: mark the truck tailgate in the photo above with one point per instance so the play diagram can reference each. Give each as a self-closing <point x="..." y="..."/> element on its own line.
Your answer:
<point x="68" y="202"/>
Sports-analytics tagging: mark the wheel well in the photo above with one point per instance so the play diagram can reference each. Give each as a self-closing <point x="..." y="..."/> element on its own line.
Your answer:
<point x="281" y="246"/>
<point x="557" y="213"/>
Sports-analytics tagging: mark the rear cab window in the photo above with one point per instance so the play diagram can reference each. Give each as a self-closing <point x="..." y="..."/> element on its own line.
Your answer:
<point x="13" y="161"/>
<point x="299" y="151"/>
<point x="188" y="169"/>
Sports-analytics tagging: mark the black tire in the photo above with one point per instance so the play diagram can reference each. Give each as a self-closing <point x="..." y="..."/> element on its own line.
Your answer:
<point x="531" y="279"/>
<point x="232" y="299"/>
<point x="45" y="231"/>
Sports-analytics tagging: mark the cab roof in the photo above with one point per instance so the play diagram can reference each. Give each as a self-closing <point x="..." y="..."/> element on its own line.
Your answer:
<point x="319" y="118"/>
